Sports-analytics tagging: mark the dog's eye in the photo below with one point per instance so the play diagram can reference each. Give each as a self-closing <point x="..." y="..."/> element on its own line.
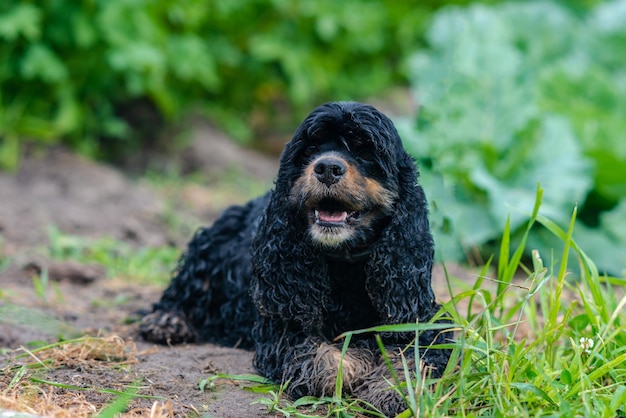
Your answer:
<point x="311" y="150"/>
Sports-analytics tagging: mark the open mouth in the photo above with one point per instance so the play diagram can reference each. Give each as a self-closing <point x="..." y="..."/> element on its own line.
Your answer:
<point x="332" y="214"/>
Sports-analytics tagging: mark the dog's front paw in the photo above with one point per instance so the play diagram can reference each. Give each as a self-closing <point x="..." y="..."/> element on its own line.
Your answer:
<point x="166" y="328"/>
<point x="382" y="396"/>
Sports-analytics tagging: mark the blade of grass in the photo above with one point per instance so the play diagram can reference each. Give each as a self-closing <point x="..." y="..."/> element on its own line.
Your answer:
<point x="503" y="261"/>
<point x="392" y="370"/>
<point x="119" y="404"/>
<point x="477" y="285"/>
<point x="18" y="376"/>
<point x="412" y="402"/>
<point x="339" y="380"/>
<point x="506" y="273"/>
<point x="589" y="270"/>
<point x="400" y="328"/>
<point x="555" y="303"/>
<point x="81" y="388"/>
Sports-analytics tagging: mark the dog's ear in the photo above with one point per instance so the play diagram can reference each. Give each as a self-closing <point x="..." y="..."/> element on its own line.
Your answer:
<point x="399" y="272"/>
<point x="289" y="281"/>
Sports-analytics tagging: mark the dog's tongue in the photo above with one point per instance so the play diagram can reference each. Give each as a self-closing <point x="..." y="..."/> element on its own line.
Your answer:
<point x="327" y="216"/>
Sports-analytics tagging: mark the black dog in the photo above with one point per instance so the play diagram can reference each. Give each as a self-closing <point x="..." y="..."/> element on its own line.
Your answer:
<point x="341" y="243"/>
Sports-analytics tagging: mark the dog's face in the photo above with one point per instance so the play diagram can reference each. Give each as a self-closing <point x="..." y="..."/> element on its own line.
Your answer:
<point x="343" y="186"/>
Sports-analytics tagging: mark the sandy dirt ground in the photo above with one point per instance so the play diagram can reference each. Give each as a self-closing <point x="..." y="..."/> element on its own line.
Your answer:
<point x="86" y="199"/>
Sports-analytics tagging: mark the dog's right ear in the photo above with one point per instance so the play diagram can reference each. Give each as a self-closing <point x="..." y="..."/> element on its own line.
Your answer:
<point x="399" y="272"/>
<point x="288" y="280"/>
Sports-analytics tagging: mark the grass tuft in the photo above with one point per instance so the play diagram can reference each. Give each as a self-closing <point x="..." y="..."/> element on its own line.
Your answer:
<point x="550" y="343"/>
<point x="29" y="391"/>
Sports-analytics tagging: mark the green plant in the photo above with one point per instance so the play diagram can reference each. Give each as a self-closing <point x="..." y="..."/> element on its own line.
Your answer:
<point x="534" y="346"/>
<point x="102" y="76"/>
<point x="554" y="369"/>
<point x="4" y="260"/>
<point x="41" y="285"/>
<point x="120" y="403"/>
<point x="143" y="264"/>
<point x="514" y="95"/>
<point x="36" y="319"/>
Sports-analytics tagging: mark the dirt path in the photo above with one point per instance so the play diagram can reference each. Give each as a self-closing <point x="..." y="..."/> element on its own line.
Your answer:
<point x="86" y="199"/>
<point x="172" y="373"/>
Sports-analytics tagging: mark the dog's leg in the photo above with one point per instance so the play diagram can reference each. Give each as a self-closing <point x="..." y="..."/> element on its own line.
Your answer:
<point x="166" y="327"/>
<point x="379" y="388"/>
<point x="170" y="321"/>
<point x="321" y="370"/>
<point x="208" y="298"/>
<point x="309" y="366"/>
<point x="381" y="391"/>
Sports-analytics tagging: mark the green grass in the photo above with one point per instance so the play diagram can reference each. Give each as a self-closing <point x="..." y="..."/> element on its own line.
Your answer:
<point x="533" y="341"/>
<point x="557" y="372"/>
<point x="136" y="264"/>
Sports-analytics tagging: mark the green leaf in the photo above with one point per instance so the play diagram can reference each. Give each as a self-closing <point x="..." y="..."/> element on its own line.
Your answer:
<point x="612" y="222"/>
<point x="530" y="373"/>
<point x="579" y="322"/>
<point x="191" y="60"/>
<point x="305" y="401"/>
<point x="40" y="62"/>
<point x="600" y="246"/>
<point x="528" y="387"/>
<point x="400" y="328"/>
<point x="566" y="377"/>
<point x="23" y="19"/>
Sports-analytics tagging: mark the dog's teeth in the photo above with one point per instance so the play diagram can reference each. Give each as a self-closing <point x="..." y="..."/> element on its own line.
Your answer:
<point x="317" y="214"/>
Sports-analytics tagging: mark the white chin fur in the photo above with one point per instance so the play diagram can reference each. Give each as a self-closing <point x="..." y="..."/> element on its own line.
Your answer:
<point x="330" y="237"/>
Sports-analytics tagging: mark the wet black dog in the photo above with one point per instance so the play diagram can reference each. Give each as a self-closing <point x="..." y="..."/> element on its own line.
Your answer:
<point x="341" y="243"/>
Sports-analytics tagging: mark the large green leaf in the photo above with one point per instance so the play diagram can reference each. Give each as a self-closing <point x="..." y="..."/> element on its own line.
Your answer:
<point x="514" y="95"/>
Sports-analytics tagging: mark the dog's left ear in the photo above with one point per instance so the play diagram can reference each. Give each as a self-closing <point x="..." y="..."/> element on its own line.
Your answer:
<point x="399" y="273"/>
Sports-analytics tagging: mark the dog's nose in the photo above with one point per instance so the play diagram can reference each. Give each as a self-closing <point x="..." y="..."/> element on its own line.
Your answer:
<point x="329" y="170"/>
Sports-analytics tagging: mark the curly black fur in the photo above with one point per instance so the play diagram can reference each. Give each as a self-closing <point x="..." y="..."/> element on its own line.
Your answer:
<point x="341" y="243"/>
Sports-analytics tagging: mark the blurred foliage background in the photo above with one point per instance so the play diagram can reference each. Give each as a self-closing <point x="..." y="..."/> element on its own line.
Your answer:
<point x="101" y="74"/>
<point x="510" y="94"/>
<point x="517" y="94"/>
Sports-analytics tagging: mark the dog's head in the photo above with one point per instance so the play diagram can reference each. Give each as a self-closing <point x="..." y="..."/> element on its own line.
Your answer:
<point x="341" y="174"/>
<point x="346" y="190"/>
